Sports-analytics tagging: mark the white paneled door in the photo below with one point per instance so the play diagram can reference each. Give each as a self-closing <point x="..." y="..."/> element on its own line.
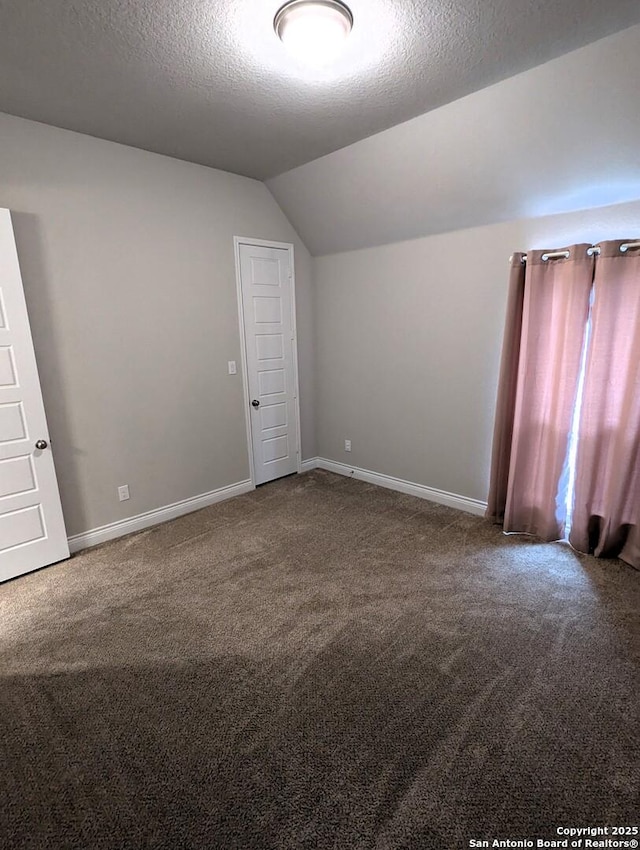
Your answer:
<point x="269" y="334"/>
<point x="32" y="532"/>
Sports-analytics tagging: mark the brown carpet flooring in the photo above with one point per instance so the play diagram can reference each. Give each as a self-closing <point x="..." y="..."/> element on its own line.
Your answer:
<point x="318" y="664"/>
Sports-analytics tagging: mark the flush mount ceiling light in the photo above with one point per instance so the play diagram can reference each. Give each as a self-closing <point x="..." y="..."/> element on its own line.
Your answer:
<point x="313" y="30"/>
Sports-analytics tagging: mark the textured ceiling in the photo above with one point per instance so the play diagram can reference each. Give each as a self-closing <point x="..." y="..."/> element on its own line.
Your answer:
<point x="560" y="137"/>
<point x="207" y="80"/>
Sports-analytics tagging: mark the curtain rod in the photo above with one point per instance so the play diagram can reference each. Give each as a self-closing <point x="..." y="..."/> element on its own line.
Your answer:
<point x="594" y="249"/>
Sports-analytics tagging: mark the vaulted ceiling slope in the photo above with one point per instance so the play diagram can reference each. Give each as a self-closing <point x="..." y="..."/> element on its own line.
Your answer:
<point x="208" y="81"/>
<point x="557" y="138"/>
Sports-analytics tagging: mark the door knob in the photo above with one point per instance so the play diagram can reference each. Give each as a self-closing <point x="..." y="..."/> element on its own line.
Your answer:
<point x="255" y="403"/>
<point x="41" y="444"/>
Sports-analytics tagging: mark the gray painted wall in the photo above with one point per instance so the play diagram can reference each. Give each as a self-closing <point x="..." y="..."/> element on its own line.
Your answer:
<point x="408" y="345"/>
<point x="128" y="268"/>
<point x="561" y="137"/>
<point x="127" y="259"/>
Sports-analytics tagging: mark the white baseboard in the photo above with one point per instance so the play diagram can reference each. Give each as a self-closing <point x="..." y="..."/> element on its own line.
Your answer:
<point x="441" y="497"/>
<point x="145" y="520"/>
<point x="149" y="518"/>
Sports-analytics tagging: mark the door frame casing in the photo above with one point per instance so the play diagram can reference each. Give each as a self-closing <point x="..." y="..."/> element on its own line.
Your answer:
<point x="238" y="241"/>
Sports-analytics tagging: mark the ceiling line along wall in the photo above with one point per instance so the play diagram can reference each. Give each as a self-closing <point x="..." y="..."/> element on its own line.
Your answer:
<point x="412" y="230"/>
<point x="560" y="137"/>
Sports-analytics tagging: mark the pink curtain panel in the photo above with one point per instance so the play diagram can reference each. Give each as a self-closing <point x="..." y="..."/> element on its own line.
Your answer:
<point x="564" y="312"/>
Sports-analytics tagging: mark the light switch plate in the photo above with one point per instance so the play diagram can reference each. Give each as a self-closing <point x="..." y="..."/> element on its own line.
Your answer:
<point x="232" y="367"/>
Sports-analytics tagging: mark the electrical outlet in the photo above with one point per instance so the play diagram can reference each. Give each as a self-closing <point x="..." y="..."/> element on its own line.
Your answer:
<point x="347" y="445"/>
<point x="232" y="367"/>
<point x="123" y="492"/>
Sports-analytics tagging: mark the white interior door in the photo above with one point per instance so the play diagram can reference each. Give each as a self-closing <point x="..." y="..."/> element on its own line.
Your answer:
<point x="269" y="331"/>
<point x="32" y="532"/>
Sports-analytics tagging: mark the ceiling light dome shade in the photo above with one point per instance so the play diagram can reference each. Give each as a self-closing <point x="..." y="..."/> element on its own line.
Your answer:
<point x="313" y="31"/>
